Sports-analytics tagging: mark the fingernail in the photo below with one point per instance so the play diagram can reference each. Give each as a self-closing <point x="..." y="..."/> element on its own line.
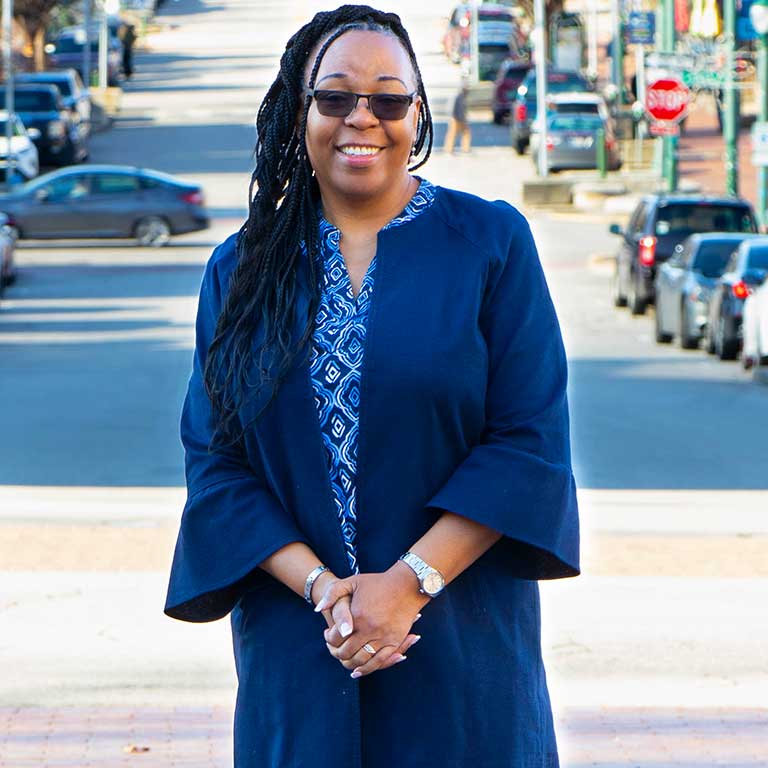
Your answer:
<point x="356" y="674"/>
<point x="319" y="607"/>
<point x="415" y="640"/>
<point x="345" y="629"/>
<point x="402" y="658"/>
<point x="418" y="616"/>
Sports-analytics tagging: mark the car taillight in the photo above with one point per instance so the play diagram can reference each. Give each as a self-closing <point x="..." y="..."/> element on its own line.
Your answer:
<point x="521" y="113"/>
<point x="193" y="198"/>
<point x="647" y="253"/>
<point x="740" y="290"/>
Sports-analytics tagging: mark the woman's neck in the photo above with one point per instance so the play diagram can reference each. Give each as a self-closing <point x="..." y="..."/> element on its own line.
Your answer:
<point x="365" y="214"/>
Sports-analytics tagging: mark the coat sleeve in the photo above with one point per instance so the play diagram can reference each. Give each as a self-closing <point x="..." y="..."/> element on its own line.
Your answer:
<point x="231" y="521"/>
<point x="518" y="479"/>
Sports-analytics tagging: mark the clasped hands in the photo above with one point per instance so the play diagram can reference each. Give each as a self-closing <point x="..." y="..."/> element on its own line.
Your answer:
<point x="377" y="609"/>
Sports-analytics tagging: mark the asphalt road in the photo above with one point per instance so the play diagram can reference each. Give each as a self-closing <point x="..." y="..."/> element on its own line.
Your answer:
<point x="95" y="349"/>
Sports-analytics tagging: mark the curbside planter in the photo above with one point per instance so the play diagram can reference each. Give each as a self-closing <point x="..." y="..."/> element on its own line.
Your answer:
<point x="547" y="192"/>
<point x="589" y="196"/>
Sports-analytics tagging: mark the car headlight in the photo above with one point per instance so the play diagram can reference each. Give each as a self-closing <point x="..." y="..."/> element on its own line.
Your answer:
<point x="56" y="129"/>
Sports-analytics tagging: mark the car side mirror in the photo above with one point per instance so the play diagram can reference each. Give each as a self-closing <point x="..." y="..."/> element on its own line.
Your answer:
<point x="34" y="133"/>
<point x="754" y="276"/>
<point x="615" y="229"/>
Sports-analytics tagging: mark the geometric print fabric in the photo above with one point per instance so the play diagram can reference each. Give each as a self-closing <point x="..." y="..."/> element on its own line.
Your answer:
<point x="336" y="361"/>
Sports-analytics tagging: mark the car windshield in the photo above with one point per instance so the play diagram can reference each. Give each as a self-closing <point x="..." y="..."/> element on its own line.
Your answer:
<point x="70" y="45"/>
<point x="62" y="85"/>
<point x="575" y="123"/>
<point x="711" y="258"/>
<point x="683" y="219"/>
<point x="757" y="258"/>
<point x="561" y="82"/>
<point x="576" y="107"/>
<point x="30" y="101"/>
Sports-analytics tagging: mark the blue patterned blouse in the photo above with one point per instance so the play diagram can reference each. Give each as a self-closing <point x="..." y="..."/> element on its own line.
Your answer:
<point x="338" y="346"/>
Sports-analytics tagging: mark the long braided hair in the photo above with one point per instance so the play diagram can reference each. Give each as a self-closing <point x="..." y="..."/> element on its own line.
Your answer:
<point x="281" y="230"/>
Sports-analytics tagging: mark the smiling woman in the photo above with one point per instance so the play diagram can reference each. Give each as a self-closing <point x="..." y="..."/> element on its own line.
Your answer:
<point x="376" y="425"/>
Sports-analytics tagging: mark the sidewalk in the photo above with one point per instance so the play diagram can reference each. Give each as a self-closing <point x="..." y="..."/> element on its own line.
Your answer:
<point x="702" y="153"/>
<point x="201" y="737"/>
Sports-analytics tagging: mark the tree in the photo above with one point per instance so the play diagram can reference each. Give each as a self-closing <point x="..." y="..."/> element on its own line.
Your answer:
<point x="33" y="17"/>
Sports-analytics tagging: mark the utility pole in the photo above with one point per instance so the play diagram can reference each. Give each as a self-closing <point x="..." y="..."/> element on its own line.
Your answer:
<point x="758" y="15"/>
<point x="731" y="106"/>
<point x="670" y="143"/>
<point x="618" y="51"/>
<point x="540" y="53"/>
<point x="87" y="44"/>
<point x="10" y="168"/>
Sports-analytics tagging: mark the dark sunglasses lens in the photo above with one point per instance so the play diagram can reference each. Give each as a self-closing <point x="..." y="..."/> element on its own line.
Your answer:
<point x="390" y="106"/>
<point x="334" y="103"/>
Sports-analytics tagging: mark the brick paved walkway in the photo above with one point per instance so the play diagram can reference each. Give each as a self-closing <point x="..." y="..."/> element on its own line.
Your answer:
<point x="201" y="738"/>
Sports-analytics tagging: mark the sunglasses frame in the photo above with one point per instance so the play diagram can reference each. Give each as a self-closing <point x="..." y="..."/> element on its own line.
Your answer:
<point x="367" y="96"/>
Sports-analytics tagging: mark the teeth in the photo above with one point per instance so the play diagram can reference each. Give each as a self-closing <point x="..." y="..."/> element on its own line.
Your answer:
<point x="359" y="150"/>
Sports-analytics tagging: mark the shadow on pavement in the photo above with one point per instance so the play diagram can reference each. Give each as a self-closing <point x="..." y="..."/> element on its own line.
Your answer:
<point x="674" y="423"/>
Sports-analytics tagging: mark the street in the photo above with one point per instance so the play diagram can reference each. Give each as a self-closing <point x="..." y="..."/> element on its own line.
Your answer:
<point x="656" y="656"/>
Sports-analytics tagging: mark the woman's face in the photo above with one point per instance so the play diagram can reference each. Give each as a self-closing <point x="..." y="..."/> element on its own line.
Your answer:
<point x="362" y="62"/>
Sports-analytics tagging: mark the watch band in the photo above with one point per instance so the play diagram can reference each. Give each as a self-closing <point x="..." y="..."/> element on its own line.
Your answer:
<point x="310" y="582"/>
<point x="422" y="569"/>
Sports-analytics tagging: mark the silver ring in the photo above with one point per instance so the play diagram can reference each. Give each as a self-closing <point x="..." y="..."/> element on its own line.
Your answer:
<point x="370" y="649"/>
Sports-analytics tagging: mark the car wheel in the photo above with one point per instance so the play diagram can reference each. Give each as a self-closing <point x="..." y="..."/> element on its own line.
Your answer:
<point x="686" y="340"/>
<point x="726" y="348"/>
<point x="709" y="341"/>
<point x="498" y="118"/>
<point x="661" y="336"/>
<point x="636" y="304"/>
<point x="619" y="300"/>
<point x="152" y="231"/>
<point x="520" y="146"/>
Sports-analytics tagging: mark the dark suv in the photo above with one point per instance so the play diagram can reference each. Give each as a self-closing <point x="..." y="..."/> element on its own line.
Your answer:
<point x="41" y="106"/>
<point x="657" y="225"/>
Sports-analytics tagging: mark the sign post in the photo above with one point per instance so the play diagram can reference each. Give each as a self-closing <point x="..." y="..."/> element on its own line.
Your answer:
<point x="666" y="101"/>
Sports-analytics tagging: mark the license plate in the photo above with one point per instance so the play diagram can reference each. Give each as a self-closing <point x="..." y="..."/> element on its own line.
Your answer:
<point x="580" y="141"/>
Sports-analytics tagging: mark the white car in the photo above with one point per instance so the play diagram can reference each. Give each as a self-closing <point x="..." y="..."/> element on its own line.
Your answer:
<point x="755" y="328"/>
<point x="27" y="162"/>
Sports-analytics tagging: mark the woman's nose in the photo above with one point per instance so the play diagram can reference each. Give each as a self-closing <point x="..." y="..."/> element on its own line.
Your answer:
<point x="361" y="115"/>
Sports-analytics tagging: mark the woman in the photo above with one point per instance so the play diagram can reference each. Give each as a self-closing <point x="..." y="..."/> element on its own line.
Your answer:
<point x="376" y="424"/>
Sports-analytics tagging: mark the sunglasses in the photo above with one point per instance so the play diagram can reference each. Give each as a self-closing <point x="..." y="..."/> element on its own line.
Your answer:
<point x="384" y="106"/>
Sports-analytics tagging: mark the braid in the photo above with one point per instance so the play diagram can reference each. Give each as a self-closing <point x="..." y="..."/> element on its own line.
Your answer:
<point x="280" y="232"/>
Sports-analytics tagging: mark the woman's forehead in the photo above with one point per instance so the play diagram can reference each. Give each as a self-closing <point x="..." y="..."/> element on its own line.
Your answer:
<point x="365" y="53"/>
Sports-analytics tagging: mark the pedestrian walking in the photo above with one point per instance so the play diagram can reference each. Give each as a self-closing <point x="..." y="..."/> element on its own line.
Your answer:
<point x="376" y="433"/>
<point x="128" y="39"/>
<point x="459" y="122"/>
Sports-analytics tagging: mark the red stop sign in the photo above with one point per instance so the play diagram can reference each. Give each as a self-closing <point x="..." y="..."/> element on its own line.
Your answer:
<point x="667" y="99"/>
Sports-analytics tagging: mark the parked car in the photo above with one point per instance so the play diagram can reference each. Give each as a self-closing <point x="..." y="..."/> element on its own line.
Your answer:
<point x="746" y="270"/>
<point x="755" y="324"/>
<point x="73" y="93"/>
<point x="511" y="74"/>
<point x="684" y="284"/>
<point x="26" y="159"/>
<point x="496" y="24"/>
<point x="658" y="224"/>
<point x="525" y="107"/>
<point x="40" y="106"/>
<point x="572" y="142"/>
<point x="7" y="248"/>
<point x="106" y="201"/>
<point x="65" y="51"/>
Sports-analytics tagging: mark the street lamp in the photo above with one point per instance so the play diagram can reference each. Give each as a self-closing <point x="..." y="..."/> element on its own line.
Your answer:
<point x="758" y="15"/>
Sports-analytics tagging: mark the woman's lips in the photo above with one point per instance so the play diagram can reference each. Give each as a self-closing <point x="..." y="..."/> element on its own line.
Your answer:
<point x="359" y="159"/>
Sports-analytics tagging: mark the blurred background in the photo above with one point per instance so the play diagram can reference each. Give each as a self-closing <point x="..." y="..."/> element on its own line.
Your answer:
<point x="126" y="140"/>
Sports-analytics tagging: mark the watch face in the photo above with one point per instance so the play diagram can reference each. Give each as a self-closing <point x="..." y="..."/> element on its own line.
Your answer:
<point x="433" y="583"/>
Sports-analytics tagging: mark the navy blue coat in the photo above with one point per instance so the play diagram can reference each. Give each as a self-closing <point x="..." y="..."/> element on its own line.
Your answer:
<point x="463" y="408"/>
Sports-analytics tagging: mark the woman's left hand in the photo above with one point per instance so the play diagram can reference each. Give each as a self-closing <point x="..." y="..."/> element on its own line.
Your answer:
<point x="384" y="607"/>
